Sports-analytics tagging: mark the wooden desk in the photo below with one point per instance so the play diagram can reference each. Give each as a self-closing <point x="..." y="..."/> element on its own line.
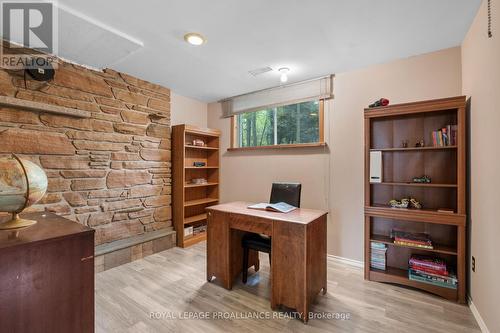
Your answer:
<point x="298" y="253"/>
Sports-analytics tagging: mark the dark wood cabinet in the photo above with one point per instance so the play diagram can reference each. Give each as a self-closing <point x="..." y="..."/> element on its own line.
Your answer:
<point x="47" y="277"/>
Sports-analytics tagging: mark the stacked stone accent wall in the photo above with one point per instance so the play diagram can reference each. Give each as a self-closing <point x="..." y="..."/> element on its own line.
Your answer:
<point x="112" y="171"/>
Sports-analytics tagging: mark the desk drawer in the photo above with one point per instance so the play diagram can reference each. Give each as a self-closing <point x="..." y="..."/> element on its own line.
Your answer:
<point x="251" y="224"/>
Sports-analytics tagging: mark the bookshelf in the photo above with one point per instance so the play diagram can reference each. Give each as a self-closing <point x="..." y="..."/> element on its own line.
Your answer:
<point x="190" y="199"/>
<point x="385" y="130"/>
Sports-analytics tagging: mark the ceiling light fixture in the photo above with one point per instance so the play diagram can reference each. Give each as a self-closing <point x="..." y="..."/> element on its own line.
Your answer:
<point x="284" y="74"/>
<point x="194" y="38"/>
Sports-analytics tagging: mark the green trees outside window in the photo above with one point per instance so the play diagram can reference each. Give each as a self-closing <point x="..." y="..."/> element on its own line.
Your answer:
<point x="289" y="124"/>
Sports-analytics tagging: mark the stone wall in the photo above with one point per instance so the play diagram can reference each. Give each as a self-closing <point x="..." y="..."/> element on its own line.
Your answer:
<point x="111" y="171"/>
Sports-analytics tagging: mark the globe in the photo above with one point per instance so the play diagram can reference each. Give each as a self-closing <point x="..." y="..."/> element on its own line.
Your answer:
<point x="22" y="184"/>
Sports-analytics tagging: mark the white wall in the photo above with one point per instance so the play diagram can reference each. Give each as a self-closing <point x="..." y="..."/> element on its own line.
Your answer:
<point x="481" y="81"/>
<point x="185" y="110"/>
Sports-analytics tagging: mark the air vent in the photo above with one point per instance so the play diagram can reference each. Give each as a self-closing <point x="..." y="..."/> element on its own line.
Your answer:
<point x="259" y="71"/>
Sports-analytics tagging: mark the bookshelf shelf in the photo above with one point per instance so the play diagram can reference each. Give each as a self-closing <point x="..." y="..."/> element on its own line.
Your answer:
<point x="195" y="218"/>
<point x="199" y="202"/>
<point x="195" y="239"/>
<point x="437" y="248"/>
<point x="200" y="185"/>
<point x="400" y="276"/>
<point x="203" y="167"/>
<point x="202" y="148"/>
<point x="190" y="200"/>
<point x="416" y="215"/>
<point x="430" y="148"/>
<point x="387" y="128"/>
<point x="416" y="184"/>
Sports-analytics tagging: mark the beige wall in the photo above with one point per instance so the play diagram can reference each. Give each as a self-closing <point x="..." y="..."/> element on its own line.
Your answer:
<point x="481" y="81"/>
<point x="332" y="178"/>
<point x="187" y="110"/>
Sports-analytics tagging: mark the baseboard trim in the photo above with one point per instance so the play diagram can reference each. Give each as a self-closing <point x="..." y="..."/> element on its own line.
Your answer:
<point x="347" y="261"/>
<point x="477" y="315"/>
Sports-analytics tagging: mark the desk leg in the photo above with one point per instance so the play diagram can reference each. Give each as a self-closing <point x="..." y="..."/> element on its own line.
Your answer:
<point x="218" y="249"/>
<point x="288" y="277"/>
<point x="299" y="264"/>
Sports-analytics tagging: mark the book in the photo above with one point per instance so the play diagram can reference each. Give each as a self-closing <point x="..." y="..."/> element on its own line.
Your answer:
<point x="444" y="133"/>
<point x="427" y="262"/>
<point x="378" y="255"/>
<point x="415" y="277"/>
<point x="450" y="278"/>
<point x="453" y="134"/>
<point x="411" y="244"/>
<point x="403" y="238"/>
<point x="445" y="136"/>
<point x="426" y="270"/>
<point x="280" y="207"/>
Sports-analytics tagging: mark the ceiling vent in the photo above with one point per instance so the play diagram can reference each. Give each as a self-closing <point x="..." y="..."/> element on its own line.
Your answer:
<point x="87" y="41"/>
<point x="259" y="71"/>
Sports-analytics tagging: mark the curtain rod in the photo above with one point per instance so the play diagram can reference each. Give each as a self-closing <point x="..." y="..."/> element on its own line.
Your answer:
<point x="277" y="87"/>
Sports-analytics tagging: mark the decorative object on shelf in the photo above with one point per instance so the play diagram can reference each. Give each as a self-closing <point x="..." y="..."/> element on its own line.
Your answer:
<point x="412" y="239"/>
<point x="404" y="203"/>
<point x="199" y="164"/>
<point x="422" y="179"/>
<point x="404" y="144"/>
<point x="420" y="143"/>
<point x="22" y="184"/>
<point x="199" y="181"/>
<point x="380" y="102"/>
<point x="199" y="143"/>
<point x="376" y="166"/>
<point x="415" y="204"/>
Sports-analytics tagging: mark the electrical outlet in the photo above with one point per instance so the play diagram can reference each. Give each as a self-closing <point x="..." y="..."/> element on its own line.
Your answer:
<point x="473" y="264"/>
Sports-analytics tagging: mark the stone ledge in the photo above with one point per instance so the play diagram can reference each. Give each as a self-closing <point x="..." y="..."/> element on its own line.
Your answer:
<point x="131" y="241"/>
<point x="42" y="107"/>
<point x="127" y="250"/>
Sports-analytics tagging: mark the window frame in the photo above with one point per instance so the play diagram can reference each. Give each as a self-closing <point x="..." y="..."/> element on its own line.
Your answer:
<point x="321" y="127"/>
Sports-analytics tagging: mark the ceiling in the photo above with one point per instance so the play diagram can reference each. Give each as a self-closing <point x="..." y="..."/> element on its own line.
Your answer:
<point x="312" y="38"/>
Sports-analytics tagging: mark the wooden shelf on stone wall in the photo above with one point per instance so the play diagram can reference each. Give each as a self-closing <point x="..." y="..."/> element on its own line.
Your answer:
<point x="42" y="107"/>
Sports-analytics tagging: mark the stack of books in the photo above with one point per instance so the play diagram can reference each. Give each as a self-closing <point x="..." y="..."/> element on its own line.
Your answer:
<point x="432" y="271"/>
<point x="446" y="136"/>
<point x="199" y="229"/>
<point x="419" y="240"/>
<point x="378" y="255"/>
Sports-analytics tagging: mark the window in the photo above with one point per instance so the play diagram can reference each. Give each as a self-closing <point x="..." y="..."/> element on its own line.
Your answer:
<point x="293" y="124"/>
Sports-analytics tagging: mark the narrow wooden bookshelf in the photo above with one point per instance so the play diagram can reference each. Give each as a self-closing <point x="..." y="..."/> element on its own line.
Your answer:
<point x="191" y="198"/>
<point x="394" y="130"/>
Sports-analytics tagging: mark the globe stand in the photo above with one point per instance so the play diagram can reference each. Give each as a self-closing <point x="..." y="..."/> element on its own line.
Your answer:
<point x="16" y="223"/>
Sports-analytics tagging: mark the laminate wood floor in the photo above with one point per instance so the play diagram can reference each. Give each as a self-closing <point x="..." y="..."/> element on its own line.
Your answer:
<point x="172" y="284"/>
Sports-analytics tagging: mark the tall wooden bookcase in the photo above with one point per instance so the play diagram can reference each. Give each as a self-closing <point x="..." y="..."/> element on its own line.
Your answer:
<point x="190" y="200"/>
<point x="385" y="130"/>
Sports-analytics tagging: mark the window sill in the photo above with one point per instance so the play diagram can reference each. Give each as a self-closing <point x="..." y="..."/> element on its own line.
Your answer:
<point x="298" y="145"/>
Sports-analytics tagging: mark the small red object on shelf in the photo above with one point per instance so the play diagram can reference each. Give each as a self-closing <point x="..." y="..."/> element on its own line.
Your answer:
<point x="380" y="102"/>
